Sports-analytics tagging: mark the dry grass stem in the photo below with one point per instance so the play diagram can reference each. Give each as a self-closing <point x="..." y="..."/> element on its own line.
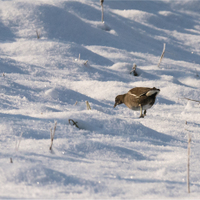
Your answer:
<point x="191" y="100"/>
<point x="85" y="63"/>
<point x="38" y="34"/>
<point x="88" y="105"/>
<point x="74" y="123"/>
<point x="102" y="14"/>
<point x="188" y="163"/>
<point x="134" y="70"/>
<point x="162" y="55"/>
<point x="197" y="75"/>
<point x="188" y="159"/>
<point x="52" y="134"/>
<point x="18" y="142"/>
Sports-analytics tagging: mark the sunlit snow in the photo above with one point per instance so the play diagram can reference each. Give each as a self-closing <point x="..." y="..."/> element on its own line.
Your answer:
<point x="111" y="153"/>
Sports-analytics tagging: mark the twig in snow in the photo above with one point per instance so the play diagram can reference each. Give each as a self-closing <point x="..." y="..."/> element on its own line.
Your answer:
<point x="38" y="34"/>
<point x="88" y="105"/>
<point x="162" y="55"/>
<point x="17" y="145"/>
<point x="18" y="142"/>
<point x="101" y="1"/>
<point x="134" y="70"/>
<point x="197" y="75"/>
<point x="76" y="103"/>
<point x="74" y="123"/>
<point x="79" y="57"/>
<point x="188" y="163"/>
<point x="85" y="63"/>
<point x="3" y="74"/>
<point x="102" y="15"/>
<point x="52" y="135"/>
<point x="191" y="100"/>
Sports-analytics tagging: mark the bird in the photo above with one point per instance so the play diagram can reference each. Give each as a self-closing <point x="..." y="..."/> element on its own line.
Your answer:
<point x="138" y="99"/>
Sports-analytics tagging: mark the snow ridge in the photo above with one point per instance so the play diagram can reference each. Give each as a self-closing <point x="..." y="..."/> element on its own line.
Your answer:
<point x="112" y="153"/>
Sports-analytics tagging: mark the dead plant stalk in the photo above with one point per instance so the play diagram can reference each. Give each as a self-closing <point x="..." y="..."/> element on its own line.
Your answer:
<point x="162" y="55"/>
<point x="52" y="134"/>
<point x="188" y="163"/>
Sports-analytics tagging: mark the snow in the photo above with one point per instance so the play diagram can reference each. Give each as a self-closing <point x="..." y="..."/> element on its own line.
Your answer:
<point x="113" y="154"/>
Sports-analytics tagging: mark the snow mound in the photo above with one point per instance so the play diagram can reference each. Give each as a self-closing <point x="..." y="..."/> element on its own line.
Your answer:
<point x="43" y="80"/>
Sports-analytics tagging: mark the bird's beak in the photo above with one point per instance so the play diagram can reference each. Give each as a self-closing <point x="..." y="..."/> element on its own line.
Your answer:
<point x="115" y="105"/>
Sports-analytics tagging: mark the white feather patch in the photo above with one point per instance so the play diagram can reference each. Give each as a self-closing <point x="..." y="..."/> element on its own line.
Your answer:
<point x="133" y="95"/>
<point x="151" y="92"/>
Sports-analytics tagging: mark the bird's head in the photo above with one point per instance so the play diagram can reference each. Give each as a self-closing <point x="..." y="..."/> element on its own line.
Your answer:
<point x="153" y="91"/>
<point x="119" y="100"/>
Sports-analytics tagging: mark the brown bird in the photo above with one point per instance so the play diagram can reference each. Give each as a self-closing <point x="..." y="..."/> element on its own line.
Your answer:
<point x="138" y="98"/>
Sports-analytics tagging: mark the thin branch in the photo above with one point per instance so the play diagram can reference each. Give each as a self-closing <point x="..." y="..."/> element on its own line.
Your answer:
<point x="188" y="163"/>
<point x="188" y="159"/>
<point x="18" y="142"/>
<point x="191" y="99"/>
<point x="74" y="123"/>
<point x="134" y="70"/>
<point x="85" y="63"/>
<point x="102" y="15"/>
<point x="162" y="55"/>
<point x="88" y="105"/>
<point x="52" y="135"/>
<point x="197" y="75"/>
<point x="38" y="34"/>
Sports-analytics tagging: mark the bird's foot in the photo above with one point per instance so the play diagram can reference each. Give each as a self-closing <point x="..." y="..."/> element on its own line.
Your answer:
<point x="141" y="116"/>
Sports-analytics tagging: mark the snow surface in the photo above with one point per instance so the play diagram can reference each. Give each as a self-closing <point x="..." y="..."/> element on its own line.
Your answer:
<point x="114" y="154"/>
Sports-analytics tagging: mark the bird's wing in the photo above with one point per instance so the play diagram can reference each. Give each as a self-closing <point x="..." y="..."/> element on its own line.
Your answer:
<point x="139" y="91"/>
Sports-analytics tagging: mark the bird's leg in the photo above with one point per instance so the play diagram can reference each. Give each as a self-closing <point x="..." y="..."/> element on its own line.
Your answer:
<point x="145" y="112"/>
<point x="141" y="115"/>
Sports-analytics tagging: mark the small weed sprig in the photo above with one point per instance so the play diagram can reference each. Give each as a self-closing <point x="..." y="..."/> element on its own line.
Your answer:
<point x="74" y="123"/>
<point x="38" y="34"/>
<point x="188" y="160"/>
<point x="102" y="14"/>
<point x="85" y="63"/>
<point x="17" y="144"/>
<point x="134" y="70"/>
<point x="192" y="100"/>
<point x="88" y="105"/>
<point x="197" y="75"/>
<point x="162" y="55"/>
<point x="52" y="134"/>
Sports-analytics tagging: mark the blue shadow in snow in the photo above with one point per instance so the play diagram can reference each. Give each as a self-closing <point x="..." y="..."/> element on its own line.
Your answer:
<point x="69" y="96"/>
<point x="6" y="34"/>
<point x="165" y="101"/>
<point x="89" y="55"/>
<point x="10" y="66"/>
<point x="118" y="151"/>
<point x="46" y="176"/>
<point x="134" y="132"/>
<point x="135" y="180"/>
<point x="16" y="89"/>
<point x="151" y="136"/>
